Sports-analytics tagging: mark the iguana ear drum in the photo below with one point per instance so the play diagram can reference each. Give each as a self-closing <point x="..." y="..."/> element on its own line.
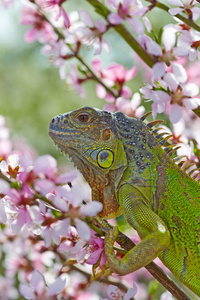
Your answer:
<point x="105" y="158"/>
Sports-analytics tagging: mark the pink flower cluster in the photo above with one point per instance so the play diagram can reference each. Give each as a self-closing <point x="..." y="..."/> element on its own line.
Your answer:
<point x="115" y="76"/>
<point x="130" y="11"/>
<point x="171" y="91"/>
<point x="178" y="40"/>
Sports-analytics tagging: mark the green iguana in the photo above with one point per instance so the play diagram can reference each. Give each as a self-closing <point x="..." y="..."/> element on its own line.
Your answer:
<point x="129" y="172"/>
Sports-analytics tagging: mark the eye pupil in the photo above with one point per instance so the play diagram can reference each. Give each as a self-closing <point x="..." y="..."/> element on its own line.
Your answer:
<point x="83" y="118"/>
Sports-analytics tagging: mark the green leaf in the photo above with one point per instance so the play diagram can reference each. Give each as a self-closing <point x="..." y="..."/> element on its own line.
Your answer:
<point x="159" y="38"/>
<point x="196" y="150"/>
<point x="197" y="111"/>
<point x="99" y="8"/>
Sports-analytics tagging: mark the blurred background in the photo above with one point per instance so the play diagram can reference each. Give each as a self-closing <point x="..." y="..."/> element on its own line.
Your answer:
<point x="31" y="91"/>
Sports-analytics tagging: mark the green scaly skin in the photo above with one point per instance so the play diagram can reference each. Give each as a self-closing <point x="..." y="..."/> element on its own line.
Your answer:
<point x="130" y="173"/>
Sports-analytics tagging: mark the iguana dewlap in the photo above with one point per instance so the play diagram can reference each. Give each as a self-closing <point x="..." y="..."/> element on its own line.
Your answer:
<point x="130" y="173"/>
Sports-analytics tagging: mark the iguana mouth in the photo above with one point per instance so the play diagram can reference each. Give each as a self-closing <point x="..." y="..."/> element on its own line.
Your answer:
<point x="77" y="158"/>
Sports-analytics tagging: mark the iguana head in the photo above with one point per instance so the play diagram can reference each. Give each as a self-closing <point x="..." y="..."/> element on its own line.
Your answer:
<point x="89" y="136"/>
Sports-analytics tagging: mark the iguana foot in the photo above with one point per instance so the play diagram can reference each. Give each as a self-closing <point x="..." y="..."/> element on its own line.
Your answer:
<point x="111" y="237"/>
<point x="111" y="258"/>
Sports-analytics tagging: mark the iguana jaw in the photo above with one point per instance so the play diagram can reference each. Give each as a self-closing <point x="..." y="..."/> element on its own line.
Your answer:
<point x="78" y="159"/>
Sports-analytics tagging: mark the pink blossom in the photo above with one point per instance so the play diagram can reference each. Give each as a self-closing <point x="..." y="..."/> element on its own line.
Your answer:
<point x="8" y="289"/>
<point x="41" y="30"/>
<point x="37" y="288"/>
<point x="185" y="5"/>
<point x="70" y="200"/>
<point x="57" y="5"/>
<point x="54" y="230"/>
<point x="16" y="206"/>
<point x="11" y="167"/>
<point x="23" y="218"/>
<point x="96" y="251"/>
<point x="67" y="177"/>
<point x="71" y="239"/>
<point x="45" y="165"/>
<point x="130" y="10"/>
<point x="173" y="89"/>
<point x="188" y="43"/>
<point x="114" y="292"/>
<point x="151" y="46"/>
<point x="4" y="186"/>
<point x="129" y="107"/>
<point x="58" y="52"/>
<point x="74" y="81"/>
<point x="114" y="75"/>
<point x="73" y="244"/>
<point x="93" y="33"/>
<point x="165" y="54"/>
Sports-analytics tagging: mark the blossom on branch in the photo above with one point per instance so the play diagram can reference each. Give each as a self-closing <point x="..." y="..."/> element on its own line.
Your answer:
<point x="37" y="288"/>
<point x="93" y="33"/>
<point x="114" y="76"/>
<point x="41" y="30"/>
<point x="57" y="5"/>
<point x="171" y="93"/>
<point x="130" y="10"/>
<point x="96" y="251"/>
<point x="114" y="292"/>
<point x="187" y="6"/>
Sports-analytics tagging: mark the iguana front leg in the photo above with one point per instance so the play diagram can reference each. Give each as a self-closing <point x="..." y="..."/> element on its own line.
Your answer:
<point x="151" y="228"/>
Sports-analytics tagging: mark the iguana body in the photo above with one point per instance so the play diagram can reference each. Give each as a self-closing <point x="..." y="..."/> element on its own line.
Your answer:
<point x="130" y="173"/>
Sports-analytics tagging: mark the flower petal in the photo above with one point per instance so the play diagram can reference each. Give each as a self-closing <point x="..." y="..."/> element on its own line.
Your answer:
<point x="37" y="281"/>
<point x="56" y="287"/>
<point x="26" y="291"/>
<point x="175" y="113"/>
<point x="131" y="292"/>
<point x="175" y="11"/>
<point x="91" y="208"/>
<point x="190" y="89"/>
<point x="159" y="69"/>
<point x="171" y="81"/>
<point x="86" y="18"/>
<point x="82" y="229"/>
<point x="114" y="19"/>
<point x="179" y="72"/>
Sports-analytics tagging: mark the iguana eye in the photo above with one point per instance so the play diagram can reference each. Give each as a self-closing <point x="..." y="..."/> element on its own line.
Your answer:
<point x="84" y="118"/>
<point x="105" y="158"/>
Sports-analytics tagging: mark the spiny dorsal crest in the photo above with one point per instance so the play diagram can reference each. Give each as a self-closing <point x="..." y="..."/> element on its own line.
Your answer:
<point x="171" y="149"/>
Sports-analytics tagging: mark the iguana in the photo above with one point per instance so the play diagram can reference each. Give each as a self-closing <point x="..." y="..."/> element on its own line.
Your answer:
<point x="129" y="172"/>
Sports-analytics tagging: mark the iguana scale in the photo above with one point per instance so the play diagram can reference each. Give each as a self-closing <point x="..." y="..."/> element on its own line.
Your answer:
<point x="130" y="173"/>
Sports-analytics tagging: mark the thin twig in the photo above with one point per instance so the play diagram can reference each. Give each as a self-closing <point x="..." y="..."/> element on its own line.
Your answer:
<point x="121" y="284"/>
<point x="76" y="54"/>
<point x="125" y="34"/>
<point x="189" y="22"/>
